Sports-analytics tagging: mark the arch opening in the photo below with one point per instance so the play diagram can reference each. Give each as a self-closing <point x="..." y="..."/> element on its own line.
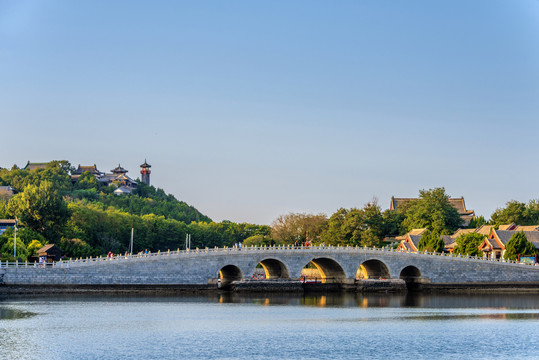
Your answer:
<point x="324" y="270"/>
<point x="229" y="273"/>
<point x="411" y="276"/>
<point x="372" y="269"/>
<point x="272" y="269"/>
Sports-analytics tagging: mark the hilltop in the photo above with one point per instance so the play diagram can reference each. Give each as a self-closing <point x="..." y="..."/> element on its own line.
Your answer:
<point x="86" y="216"/>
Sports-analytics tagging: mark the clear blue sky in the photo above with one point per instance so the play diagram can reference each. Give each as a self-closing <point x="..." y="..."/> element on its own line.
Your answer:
<point x="251" y="109"/>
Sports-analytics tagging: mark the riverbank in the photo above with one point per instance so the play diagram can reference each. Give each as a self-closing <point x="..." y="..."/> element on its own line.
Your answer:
<point x="277" y="287"/>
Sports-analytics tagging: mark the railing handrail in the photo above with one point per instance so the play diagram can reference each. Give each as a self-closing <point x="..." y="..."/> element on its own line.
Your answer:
<point x="234" y="249"/>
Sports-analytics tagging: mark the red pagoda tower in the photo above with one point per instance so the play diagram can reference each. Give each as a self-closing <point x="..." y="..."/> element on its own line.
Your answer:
<point x="145" y="172"/>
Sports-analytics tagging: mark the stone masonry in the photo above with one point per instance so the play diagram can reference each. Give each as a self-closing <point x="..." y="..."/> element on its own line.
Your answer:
<point x="202" y="267"/>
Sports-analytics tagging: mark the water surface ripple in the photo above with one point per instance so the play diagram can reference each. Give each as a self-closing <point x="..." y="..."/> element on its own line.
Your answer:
<point x="271" y="327"/>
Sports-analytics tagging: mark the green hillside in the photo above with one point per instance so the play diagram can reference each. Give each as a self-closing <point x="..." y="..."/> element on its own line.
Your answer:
<point x="85" y="217"/>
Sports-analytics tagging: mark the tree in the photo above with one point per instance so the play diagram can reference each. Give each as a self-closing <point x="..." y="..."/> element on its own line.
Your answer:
<point x="287" y="229"/>
<point x="33" y="247"/>
<point x="512" y="213"/>
<point x="335" y="234"/>
<point x="518" y="245"/>
<point x="393" y="222"/>
<point x="364" y="227"/>
<point x="477" y="222"/>
<point x="86" y="181"/>
<point x="258" y="240"/>
<point x="518" y="213"/>
<point x="6" y="246"/>
<point x="431" y="242"/>
<point x="40" y="208"/>
<point x="432" y="211"/>
<point x="468" y="244"/>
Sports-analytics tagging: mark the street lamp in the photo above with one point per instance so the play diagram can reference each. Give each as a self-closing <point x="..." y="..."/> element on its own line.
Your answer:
<point x="15" y="242"/>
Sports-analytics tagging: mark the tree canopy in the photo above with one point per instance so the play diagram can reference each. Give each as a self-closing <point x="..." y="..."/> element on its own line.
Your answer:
<point x="432" y="210"/>
<point x="41" y="208"/>
<point x="292" y="227"/>
<point x="84" y="218"/>
<point x="468" y="244"/>
<point x="518" y="213"/>
<point x="518" y="245"/>
<point x="431" y="242"/>
<point x="364" y="227"/>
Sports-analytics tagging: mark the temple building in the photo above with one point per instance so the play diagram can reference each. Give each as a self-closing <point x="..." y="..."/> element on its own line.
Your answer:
<point x="34" y="165"/>
<point x="82" y="169"/>
<point x="145" y="172"/>
<point x="118" y="176"/>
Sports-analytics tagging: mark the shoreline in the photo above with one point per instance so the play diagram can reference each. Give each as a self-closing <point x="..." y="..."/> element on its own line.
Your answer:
<point x="274" y="287"/>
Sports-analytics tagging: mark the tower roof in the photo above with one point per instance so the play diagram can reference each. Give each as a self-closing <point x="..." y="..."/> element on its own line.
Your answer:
<point x="84" y="168"/>
<point x="119" y="170"/>
<point x="145" y="164"/>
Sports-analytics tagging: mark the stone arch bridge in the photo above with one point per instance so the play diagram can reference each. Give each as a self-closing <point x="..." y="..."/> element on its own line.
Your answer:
<point x="344" y="265"/>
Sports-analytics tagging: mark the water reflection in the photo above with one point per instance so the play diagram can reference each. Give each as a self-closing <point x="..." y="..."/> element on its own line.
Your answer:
<point x="337" y="299"/>
<point x="268" y="326"/>
<point x="13" y="314"/>
<point x="409" y="300"/>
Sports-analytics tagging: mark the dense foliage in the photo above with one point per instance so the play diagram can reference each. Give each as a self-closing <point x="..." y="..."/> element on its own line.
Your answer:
<point x="86" y="219"/>
<point x="431" y="242"/>
<point x="432" y="211"/>
<point x="291" y="228"/>
<point x="363" y="227"/>
<point x="518" y="213"/>
<point x="468" y="244"/>
<point x="518" y="245"/>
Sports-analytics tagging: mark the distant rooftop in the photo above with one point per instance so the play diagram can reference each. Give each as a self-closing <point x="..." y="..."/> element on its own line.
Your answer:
<point x="35" y="165"/>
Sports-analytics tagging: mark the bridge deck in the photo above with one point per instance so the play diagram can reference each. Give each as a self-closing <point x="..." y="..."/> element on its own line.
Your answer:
<point x="89" y="261"/>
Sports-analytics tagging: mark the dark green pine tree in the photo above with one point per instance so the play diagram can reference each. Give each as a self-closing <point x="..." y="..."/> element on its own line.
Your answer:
<point x="518" y="245"/>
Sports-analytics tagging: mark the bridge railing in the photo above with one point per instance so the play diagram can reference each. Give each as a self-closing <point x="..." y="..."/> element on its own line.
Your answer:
<point x="230" y="250"/>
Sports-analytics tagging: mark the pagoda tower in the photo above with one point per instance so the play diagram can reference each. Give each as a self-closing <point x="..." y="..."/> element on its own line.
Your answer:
<point x="145" y="172"/>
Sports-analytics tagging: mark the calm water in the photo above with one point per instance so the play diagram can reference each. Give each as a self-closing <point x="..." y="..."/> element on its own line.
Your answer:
<point x="270" y="327"/>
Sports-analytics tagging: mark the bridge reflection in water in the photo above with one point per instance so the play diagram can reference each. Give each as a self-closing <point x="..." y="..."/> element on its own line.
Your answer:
<point x="374" y="300"/>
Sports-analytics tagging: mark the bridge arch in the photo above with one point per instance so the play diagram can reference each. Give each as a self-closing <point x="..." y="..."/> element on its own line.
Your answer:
<point x="229" y="273"/>
<point x="330" y="270"/>
<point x="411" y="275"/>
<point x="373" y="269"/>
<point x="274" y="269"/>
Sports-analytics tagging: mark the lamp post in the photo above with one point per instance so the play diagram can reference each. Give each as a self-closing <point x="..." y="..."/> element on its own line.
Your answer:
<point x="15" y="242"/>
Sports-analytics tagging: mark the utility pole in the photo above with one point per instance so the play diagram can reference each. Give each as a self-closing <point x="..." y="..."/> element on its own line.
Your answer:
<point x="131" y="243"/>
<point x="15" y="242"/>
